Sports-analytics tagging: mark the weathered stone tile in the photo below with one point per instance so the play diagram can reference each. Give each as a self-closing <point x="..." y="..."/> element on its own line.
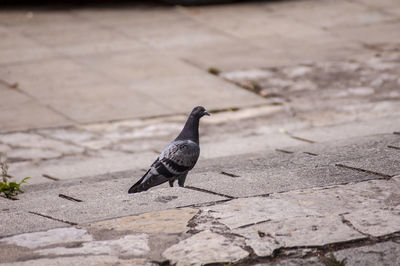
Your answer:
<point x="36" y="141"/>
<point x="105" y="200"/>
<point x="137" y="17"/>
<point x="202" y="89"/>
<point x="385" y="163"/>
<point x="368" y="195"/>
<point x="313" y="261"/>
<point x="178" y="34"/>
<point x="255" y="21"/>
<point x="49" y="237"/>
<point x="16" y="222"/>
<point x="246" y="211"/>
<point x="239" y="54"/>
<point x="382" y="33"/>
<point x="16" y="48"/>
<point x="332" y="14"/>
<point x="19" y="112"/>
<point x="296" y="231"/>
<point x="79" y="166"/>
<point x="167" y="222"/>
<point x="23" y="154"/>
<point x="71" y="134"/>
<point x="350" y="130"/>
<point x="130" y="245"/>
<point x="385" y="253"/>
<point x="82" y="261"/>
<point x="205" y="247"/>
<point x="375" y="222"/>
<point x="280" y="178"/>
<point x="4" y="148"/>
<point x="383" y="4"/>
<point x="140" y="64"/>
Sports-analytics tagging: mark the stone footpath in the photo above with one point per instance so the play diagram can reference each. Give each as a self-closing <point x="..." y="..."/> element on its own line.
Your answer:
<point x="292" y="182"/>
<point x="299" y="161"/>
<point x="295" y="205"/>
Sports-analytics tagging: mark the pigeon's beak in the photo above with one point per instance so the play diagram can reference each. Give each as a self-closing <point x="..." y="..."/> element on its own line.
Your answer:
<point x="206" y="113"/>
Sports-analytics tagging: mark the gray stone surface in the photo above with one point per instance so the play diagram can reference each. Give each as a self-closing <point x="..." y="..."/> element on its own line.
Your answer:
<point x="385" y="253"/>
<point x="313" y="261"/>
<point x="82" y="261"/>
<point x="323" y="74"/>
<point x="307" y="218"/>
<point x="205" y="247"/>
<point x="21" y="112"/>
<point x="172" y="221"/>
<point x="16" y="222"/>
<point x="308" y="166"/>
<point x="128" y="61"/>
<point x="247" y="211"/>
<point x="49" y="237"/>
<point x="131" y="245"/>
<point x="375" y="222"/>
<point x="298" y="231"/>
<point x="103" y="200"/>
<point x="81" y="166"/>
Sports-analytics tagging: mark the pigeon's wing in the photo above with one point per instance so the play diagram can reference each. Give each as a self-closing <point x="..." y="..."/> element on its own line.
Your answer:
<point x="177" y="158"/>
<point x="180" y="156"/>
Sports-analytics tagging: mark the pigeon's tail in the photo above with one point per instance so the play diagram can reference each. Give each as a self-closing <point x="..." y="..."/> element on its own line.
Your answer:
<point x="146" y="182"/>
<point x="137" y="188"/>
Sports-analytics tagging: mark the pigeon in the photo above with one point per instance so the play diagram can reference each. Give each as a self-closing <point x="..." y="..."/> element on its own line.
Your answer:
<point x="177" y="159"/>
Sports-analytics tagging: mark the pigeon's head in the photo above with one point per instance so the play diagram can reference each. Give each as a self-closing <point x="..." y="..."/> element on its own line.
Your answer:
<point x="199" y="111"/>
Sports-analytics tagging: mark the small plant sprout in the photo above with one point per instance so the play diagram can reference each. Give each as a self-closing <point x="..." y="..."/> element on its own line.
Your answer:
<point x="214" y="71"/>
<point x="9" y="189"/>
<point x="332" y="261"/>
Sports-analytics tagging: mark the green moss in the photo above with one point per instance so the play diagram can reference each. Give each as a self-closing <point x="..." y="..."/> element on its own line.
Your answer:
<point x="9" y="189"/>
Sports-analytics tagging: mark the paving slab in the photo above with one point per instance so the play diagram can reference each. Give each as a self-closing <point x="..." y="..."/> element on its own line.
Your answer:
<point x="27" y="222"/>
<point x="256" y="20"/>
<point x="313" y="261"/>
<point x="79" y="166"/>
<point x="82" y="260"/>
<point x="384" y="253"/>
<point x="131" y="245"/>
<point x="309" y="231"/>
<point x="246" y="183"/>
<point x="49" y="237"/>
<point x="17" y="48"/>
<point x="328" y="15"/>
<point x="220" y="232"/>
<point x="28" y="111"/>
<point x="375" y="222"/>
<point x="381" y="4"/>
<point x="208" y="248"/>
<point x="171" y="221"/>
<point x="383" y="33"/>
<point x="349" y="130"/>
<point x="104" y="200"/>
<point x="284" y="219"/>
<point x="302" y="166"/>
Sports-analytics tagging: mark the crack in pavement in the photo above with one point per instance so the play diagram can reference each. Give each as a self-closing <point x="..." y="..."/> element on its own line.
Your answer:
<point x="385" y="176"/>
<point x="210" y="192"/>
<point x="52" y="218"/>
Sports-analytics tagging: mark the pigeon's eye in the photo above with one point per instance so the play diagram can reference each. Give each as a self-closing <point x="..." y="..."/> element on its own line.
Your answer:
<point x="198" y="109"/>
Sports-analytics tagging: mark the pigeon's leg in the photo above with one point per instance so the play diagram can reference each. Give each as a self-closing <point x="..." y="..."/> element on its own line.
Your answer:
<point x="171" y="182"/>
<point x="181" y="179"/>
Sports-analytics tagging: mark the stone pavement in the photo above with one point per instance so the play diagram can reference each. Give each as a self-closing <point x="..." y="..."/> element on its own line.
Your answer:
<point x="82" y="65"/>
<point x="300" y="158"/>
